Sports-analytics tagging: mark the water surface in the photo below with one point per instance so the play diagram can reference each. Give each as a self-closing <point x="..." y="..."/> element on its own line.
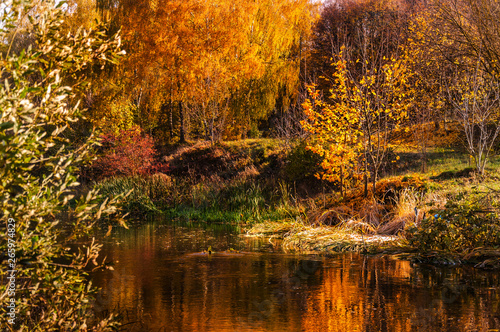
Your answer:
<point x="164" y="282"/>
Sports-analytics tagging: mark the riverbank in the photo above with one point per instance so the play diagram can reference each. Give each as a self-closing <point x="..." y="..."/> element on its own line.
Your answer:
<point x="446" y="215"/>
<point x="298" y="237"/>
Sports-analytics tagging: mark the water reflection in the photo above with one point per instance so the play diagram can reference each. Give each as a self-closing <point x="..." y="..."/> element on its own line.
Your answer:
<point x="158" y="285"/>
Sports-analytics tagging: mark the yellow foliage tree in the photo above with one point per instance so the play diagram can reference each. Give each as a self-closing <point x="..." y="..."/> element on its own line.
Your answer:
<point x="354" y="132"/>
<point x="209" y="67"/>
<point x="336" y="131"/>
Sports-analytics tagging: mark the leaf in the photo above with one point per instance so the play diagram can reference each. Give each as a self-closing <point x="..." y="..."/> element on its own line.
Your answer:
<point x="6" y="125"/>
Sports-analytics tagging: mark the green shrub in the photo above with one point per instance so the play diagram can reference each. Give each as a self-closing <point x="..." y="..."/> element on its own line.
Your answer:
<point x="301" y="163"/>
<point x="467" y="222"/>
<point x="37" y="168"/>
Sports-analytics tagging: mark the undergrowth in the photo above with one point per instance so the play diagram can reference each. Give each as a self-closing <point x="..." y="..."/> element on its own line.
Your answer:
<point x="213" y="199"/>
<point x="467" y="222"/>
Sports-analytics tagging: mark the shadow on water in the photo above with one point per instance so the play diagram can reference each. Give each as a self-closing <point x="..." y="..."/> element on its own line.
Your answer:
<point x="164" y="281"/>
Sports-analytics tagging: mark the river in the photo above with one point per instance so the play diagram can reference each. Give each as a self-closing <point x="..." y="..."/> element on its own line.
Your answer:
<point x="162" y="281"/>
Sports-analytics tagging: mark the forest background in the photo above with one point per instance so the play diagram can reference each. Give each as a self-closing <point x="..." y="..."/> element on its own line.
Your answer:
<point x="349" y="74"/>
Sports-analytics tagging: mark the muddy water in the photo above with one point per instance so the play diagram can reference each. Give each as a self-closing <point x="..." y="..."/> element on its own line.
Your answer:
<point x="163" y="281"/>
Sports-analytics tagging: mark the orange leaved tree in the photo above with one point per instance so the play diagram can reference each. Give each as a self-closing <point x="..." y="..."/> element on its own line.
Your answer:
<point x="354" y="131"/>
<point x="336" y="131"/>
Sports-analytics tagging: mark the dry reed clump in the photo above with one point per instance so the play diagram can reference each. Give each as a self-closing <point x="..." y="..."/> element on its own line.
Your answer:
<point x="398" y="203"/>
<point x="410" y="208"/>
<point x="392" y="227"/>
<point x="361" y="215"/>
<point x="335" y="239"/>
<point x="307" y="237"/>
<point x="358" y="226"/>
<point x="330" y="217"/>
<point x="404" y="212"/>
<point x="388" y="190"/>
<point x="371" y="212"/>
<point x="275" y="228"/>
<point x="297" y="236"/>
<point x="374" y="210"/>
<point x="248" y="173"/>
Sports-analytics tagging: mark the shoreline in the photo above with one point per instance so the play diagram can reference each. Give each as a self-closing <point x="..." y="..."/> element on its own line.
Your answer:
<point x="326" y="240"/>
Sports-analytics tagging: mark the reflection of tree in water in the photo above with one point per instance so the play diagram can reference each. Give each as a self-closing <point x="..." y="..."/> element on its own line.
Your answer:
<point x="158" y="283"/>
<point x="388" y="295"/>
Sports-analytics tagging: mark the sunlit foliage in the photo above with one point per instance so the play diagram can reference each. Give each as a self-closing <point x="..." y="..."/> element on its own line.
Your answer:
<point x="353" y="131"/>
<point x="206" y="69"/>
<point x="38" y="165"/>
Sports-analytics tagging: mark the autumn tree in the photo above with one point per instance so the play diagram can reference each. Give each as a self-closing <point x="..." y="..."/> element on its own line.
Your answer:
<point x="359" y="121"/>
<point x="214" y="67"/>
<point x="429" y="81"/>
<point x="475" y="96"/>
<point x="360" y="27"/>
<point x="469" y="28"/>
<point x="466" y="36"/>
<point x="368" y="37"/>
<point x="335" y="126"/>
<point x="280" y="34"/>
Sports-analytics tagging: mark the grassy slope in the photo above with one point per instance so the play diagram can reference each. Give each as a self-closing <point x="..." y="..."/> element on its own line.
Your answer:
<point x="229" y="182"/>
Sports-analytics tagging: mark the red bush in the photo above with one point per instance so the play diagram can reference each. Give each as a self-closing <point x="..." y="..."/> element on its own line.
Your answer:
<point x="128" y="153"/>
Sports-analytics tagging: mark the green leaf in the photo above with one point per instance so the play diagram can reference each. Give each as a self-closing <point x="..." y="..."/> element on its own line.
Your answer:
<point x="6" y="125"/>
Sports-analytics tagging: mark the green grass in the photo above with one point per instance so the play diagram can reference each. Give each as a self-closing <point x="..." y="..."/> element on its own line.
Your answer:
<point x="448" y="171"/>
<point x="438" y="160"/>
<point x="234" y="181"/>
<point x="237" y="200"/>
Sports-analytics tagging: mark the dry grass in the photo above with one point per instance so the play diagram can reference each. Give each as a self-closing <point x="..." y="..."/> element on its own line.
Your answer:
<point x="297" y="236"/>
<point x="405" y="212"/>
<point x="392" y="227"/>
<point x="330" y="239"/>
<point x="371" y="212"/>
<point x="358" y="226"/>
<point x="397" y="203"/>
<point x="330" y="217"/>
<point x="161" y="177"/>
<point x="276" y="229"/>
<point x="248" y="173"/>
<point x="409" y="209"/>
<point x="186" y="149"/>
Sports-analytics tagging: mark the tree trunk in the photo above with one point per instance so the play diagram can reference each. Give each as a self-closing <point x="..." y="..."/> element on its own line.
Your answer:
<point x="374" y="182"/>
<point x="365" y="180"/>
<point x="182" y="136"/>
<point x="342" y="192"/>
<point x="171" y="129"/>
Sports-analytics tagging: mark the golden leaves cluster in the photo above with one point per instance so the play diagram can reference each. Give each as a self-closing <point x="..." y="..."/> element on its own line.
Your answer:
<point x="359" y="113"/>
